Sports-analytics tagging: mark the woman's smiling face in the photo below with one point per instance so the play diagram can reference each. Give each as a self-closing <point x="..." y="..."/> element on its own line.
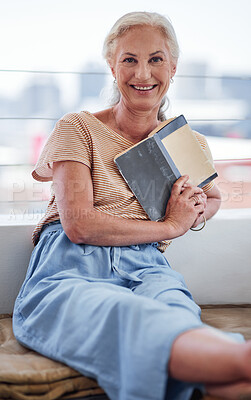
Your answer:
<point x="143" y="66"/>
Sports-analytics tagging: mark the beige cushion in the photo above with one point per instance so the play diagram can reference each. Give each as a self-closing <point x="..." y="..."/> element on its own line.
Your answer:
<point x="24" y="372"/>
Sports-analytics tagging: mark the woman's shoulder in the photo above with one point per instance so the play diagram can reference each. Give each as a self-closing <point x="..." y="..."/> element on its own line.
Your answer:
<point x="76" y="117"/>
<point x="103" y="115"/>
<point x="83" y="122"/>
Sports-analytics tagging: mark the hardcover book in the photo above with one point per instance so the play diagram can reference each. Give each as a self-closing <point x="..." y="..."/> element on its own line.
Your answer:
<point x="151" y="166"/>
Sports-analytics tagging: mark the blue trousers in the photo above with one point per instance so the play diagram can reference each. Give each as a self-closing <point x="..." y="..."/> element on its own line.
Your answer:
<point x="112" y="313"/>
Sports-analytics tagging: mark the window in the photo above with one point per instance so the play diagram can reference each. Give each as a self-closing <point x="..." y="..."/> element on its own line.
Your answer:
<point x="43" y="76"/>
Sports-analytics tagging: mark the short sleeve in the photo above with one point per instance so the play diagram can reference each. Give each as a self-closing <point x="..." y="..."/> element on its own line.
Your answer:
<point x="203" y="142"/>
<point x="70" y="140"/>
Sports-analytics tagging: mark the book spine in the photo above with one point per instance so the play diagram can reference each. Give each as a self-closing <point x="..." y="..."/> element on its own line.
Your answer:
<point x="209" y="179"/>
<point x="167" y="156"/>
<point x="171" y="127"/>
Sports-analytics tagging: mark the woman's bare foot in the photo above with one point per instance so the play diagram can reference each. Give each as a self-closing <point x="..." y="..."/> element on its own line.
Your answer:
<point x="232" y="391"/>
<point x="240" y="390"/>
<point x="247" y="360"/>
<point x="210" y="356"/>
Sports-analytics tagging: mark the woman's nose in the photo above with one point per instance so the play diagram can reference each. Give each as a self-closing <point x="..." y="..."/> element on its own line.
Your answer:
<point x="143" y="71"/>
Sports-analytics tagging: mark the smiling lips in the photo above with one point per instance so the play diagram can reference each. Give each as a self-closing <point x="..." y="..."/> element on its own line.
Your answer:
<point x="143" y="88"/>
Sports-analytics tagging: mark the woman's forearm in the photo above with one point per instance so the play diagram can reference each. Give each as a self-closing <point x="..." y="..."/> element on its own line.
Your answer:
<point x="82" y="223"/>
<point x="90" y="226"/>
<point x="97" y="228"/>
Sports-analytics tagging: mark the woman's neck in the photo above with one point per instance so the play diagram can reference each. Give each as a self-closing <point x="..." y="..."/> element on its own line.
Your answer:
<point x="131" y="124"/>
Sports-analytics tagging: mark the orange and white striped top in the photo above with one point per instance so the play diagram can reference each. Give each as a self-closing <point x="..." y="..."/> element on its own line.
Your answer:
<point x="82" y="137"/>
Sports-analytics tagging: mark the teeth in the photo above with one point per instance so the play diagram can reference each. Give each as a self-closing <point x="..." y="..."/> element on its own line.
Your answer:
<point x="144" y="87"/>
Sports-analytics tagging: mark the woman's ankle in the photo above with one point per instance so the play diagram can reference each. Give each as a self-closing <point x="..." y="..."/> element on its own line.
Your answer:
<point x="230" y="391"/>
<point x="204" y="355"/>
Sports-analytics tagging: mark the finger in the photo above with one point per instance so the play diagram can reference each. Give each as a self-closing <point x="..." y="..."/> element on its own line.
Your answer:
<point x="199" y="208"/>
<point x="195" y="200"/>
<point x="178" y="186"/>
<point x="198" y="199"/>
<point x="203" y="197"/>
<point x="200" y="219"/>
<point x="192" y="191"/>
<point x="186" y="185"/>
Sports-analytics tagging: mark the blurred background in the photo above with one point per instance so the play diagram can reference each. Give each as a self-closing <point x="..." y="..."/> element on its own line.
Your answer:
<point x="51" y="64"/>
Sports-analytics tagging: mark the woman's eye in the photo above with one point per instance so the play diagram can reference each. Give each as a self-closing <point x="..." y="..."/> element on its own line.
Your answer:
<point x="129" y="60"/>
<point x="156" y="59"/>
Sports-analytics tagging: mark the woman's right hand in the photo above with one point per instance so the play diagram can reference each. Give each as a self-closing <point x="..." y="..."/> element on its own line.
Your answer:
<point x="184" y="206"/>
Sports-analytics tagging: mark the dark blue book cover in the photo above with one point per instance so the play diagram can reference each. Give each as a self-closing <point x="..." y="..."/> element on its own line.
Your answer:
<point x="150" y="171"/>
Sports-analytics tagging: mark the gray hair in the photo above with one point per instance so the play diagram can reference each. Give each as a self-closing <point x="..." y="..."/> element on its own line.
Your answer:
<point x="130" y="20"/>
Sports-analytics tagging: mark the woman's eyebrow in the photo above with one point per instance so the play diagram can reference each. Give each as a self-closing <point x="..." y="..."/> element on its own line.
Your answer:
<point x="156" y="52"/>
<point x="135" y="55"/>
<point x="129" y="54"/>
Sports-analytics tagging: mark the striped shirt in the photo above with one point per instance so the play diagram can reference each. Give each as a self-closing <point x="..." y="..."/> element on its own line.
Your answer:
<point x="83" y="138"/>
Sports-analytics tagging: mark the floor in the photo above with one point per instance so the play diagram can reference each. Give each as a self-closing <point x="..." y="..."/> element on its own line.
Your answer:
<point x="229" y="318"/>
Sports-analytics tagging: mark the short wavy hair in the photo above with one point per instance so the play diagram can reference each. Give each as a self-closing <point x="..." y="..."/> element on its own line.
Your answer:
<point x="140" y="18"/>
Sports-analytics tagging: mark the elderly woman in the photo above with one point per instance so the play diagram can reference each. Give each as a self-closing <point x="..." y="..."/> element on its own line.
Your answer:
<point x="99" y="295"/>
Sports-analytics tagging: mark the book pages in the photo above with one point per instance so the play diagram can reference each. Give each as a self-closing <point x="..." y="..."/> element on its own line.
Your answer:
<point x="184" y="148"/>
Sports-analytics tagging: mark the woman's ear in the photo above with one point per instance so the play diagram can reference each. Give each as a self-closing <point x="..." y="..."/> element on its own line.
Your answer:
<point x="173" y="70"/>
<point x="112" y="70"/>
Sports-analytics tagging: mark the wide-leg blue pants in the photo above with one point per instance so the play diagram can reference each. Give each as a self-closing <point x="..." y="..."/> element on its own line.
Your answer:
<point x="112" y="313"/>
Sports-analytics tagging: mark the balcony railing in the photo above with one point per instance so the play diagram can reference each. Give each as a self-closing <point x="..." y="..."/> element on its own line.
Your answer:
<point x="22" y="137"/>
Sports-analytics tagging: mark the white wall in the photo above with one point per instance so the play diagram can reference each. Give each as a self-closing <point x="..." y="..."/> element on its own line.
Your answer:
<point x="15" y="250"/>
<point x="216" y="262"/>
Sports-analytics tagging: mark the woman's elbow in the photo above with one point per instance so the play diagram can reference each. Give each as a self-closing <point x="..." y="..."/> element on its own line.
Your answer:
<point x="76" y="234"/>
